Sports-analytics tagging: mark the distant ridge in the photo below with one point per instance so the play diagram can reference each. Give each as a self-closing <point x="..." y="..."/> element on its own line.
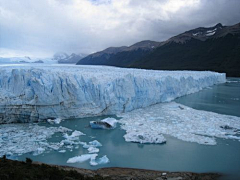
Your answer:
<point x="214" y="48"/>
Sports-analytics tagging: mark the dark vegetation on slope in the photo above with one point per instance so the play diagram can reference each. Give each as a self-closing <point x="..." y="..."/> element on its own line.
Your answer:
<point x="220" y="55"/>
<point x="196" y="49"/>
<point x="17" y="170"/>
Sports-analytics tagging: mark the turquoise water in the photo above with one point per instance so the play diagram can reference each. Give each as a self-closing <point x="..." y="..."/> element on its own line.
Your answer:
<point x="175" y="155"/>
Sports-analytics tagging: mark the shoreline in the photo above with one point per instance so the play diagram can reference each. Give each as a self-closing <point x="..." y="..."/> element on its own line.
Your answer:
<point x="11" y="169"/>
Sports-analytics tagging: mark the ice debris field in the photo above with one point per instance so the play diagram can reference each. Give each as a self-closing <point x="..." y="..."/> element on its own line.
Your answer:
<point x="149" y="125"/>
<point x="18" y="139"/>
<point x="30" y="93"/>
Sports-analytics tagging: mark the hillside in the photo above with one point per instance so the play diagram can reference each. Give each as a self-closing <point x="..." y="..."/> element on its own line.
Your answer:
<point x="215" y="48"/>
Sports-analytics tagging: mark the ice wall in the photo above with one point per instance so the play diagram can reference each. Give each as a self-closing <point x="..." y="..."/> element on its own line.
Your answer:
<point x="33" y="93"/>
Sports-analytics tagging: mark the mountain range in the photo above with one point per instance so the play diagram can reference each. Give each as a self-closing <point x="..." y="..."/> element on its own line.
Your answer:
<point x="214" y="48"/>
<point x="64" y="58"/>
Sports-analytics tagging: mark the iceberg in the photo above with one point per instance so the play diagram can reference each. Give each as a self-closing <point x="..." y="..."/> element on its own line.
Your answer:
<point x="82" y="158"/>
<point x="92" y="157"/>
<point x="94" y="143"/>
<point x="35" y="93"/>
<point x="93" y="150"/>
<point x="54" y="121"/>
<point x="108" y="123"/>
<point x="103" y="160"/>
<point x="75" y="134"/>
<point x="149" y="125"/>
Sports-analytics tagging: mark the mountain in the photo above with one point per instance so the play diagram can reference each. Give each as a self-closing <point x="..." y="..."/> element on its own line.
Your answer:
<point x="120" y="56"/>
<point x="64" y="58"/>
<point x="24" y="60"/>
<point x="215" y="48"/>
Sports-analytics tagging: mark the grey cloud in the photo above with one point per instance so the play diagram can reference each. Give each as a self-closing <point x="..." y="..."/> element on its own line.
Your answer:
<point x="48" y="26"/>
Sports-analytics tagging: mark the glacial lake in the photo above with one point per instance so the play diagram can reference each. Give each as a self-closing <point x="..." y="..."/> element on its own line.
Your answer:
<point x="175" y="155"/>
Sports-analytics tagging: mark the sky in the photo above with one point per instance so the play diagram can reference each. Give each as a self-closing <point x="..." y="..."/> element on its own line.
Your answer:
<point x="40" y="28"/>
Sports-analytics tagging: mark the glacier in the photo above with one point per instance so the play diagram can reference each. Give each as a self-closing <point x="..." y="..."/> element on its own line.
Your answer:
<point x="150" y="124"/>
<point x="34" y="93"/>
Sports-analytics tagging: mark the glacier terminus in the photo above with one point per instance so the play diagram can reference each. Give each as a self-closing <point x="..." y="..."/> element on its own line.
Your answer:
<point x="30" y="93"/>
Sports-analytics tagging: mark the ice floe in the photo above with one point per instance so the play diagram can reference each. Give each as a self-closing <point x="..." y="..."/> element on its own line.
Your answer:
<point x="51" y="91"/>
<point x="148" y="125"/>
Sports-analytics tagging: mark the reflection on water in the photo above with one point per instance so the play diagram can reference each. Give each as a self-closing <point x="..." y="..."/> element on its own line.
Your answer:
<point x="175" y="155"/>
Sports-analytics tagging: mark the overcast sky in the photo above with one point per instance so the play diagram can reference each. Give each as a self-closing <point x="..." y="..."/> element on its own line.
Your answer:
<point x="43" y="27"/>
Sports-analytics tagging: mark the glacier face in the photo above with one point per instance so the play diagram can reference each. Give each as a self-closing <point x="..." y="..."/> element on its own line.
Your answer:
<point x="32" y="93"/>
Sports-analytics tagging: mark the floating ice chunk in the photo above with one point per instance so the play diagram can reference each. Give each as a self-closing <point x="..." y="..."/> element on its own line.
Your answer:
<point x="62" y="151"/>
<point x="38" y="151"/>
<point x="82" y="158"/>
<point x="111" y="121"/>
<point x="73" y="135"/>
<point x="93" y="162"/>
<point x="54" y="121"/>
<point x="103" y="160"/>
<point x="95" y="143"/>
<point x="77" y="133"/>
<point x="70" y="140"/>
<point x="63" y="129"/>
<point x="100" y="161"/>
<point x="108" y="123"/>
<point x="99" y="125"/>
<point x="54" y="146"/>
<point x="67" y="142"/>
<point x="93" y="150"/>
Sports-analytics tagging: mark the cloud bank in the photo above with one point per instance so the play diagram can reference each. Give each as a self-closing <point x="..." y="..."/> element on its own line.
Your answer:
<point x="41" y="28"/>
